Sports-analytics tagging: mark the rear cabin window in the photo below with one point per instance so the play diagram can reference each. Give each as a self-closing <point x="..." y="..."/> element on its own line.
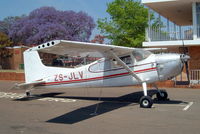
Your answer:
<point x="66" y="60"/>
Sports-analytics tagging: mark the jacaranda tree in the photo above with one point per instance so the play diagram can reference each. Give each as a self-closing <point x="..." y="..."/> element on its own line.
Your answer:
<point x="7" y="22"/>
<point x="47" y="23"/>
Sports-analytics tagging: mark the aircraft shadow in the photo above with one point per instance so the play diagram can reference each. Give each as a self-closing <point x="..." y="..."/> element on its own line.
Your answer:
<point x="36" y="97"/>
<point x="107" y="104"/>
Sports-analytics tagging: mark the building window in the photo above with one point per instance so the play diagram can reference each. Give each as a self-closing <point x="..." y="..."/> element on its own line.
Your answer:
<point x="198" y="13"/>
<point x="198" y="19"/>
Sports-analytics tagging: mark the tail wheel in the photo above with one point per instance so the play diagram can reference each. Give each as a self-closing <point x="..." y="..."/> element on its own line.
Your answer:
<point x="146" y="102"/>
<point x="28" y="94"/>
<point x="162" y="95"/>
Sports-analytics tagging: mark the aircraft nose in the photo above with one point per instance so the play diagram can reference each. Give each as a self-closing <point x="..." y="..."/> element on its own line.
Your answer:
<point x="184" y="57"/>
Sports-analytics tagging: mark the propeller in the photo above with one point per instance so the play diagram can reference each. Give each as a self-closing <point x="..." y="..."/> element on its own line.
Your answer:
<point x="185" y="58"/>
<point x="187" y="71"/>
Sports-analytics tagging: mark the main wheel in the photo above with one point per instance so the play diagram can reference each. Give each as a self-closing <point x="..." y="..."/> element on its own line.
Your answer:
<point x="146" y="102"/>
<point x="162" y="95"/>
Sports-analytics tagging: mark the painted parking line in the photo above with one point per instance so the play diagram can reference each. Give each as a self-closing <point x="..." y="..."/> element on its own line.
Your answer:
<point x="57" y="99"/>
<point x="184" y="106"/>
<point x="188" y="106"/>
<point x="10" y="95"/>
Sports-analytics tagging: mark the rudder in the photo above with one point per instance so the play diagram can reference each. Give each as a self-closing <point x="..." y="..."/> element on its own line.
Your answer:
<point x="33" y="66"/>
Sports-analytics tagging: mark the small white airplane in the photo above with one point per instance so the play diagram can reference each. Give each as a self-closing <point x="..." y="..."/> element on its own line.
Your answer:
<point x="121" y="66"/>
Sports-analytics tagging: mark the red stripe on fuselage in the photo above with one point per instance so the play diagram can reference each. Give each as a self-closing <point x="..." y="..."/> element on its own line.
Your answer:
<point x="98" y="78"/>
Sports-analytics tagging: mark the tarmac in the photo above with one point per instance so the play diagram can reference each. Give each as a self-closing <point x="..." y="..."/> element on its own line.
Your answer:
<point x="97" y="111"/>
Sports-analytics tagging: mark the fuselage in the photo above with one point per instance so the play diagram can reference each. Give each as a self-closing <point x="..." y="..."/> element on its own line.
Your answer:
<point x="106" y="72"/>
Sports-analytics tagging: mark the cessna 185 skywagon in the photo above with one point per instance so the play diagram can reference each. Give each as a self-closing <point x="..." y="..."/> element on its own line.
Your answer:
<point x="120" y="66"/>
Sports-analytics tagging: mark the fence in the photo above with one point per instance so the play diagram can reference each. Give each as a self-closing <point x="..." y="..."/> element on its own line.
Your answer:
<point x="171" y="33"/>
<point x="195" y="76"/>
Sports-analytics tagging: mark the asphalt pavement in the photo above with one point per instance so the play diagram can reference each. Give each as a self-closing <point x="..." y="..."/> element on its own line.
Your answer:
<point x="97" y="111"/>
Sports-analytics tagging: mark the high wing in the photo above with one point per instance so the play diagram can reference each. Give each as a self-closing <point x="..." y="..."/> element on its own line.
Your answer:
<point x="62" y="47"/>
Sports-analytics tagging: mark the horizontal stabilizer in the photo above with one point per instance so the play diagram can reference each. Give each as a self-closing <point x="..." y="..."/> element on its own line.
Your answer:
<point x="26" y="86"/>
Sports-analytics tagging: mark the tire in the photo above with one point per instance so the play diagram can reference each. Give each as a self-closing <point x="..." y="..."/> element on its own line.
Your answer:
<point x="146" y="102"/>
<point x="28" y="94"/>
<point x="162" y="95"/>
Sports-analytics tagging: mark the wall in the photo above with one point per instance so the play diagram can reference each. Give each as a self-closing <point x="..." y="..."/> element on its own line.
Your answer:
<point x="12" y="76"/>
<point x="15" y="61"/>
<point x="194" y="53"/>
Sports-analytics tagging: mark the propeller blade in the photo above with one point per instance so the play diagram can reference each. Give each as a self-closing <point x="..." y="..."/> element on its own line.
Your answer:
<point x="187" y="71"/>
<point x="185" y="59"/>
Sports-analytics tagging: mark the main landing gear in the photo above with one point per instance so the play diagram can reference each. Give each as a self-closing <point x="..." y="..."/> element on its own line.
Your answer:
<point x="146" y="101"/>
<point x="161" y="95"/>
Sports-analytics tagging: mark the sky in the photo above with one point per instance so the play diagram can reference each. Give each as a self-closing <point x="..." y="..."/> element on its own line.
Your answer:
<point x="94" y="8"/>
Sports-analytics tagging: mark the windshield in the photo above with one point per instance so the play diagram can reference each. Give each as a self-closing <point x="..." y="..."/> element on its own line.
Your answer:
<point x="140" y="55"/>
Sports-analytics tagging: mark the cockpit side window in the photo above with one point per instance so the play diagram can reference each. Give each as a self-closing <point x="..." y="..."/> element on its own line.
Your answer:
<point x="140" y="55"/>
<point x="126" y="59"/>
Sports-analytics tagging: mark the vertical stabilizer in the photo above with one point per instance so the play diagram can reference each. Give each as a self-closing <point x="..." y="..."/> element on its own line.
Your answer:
<point x="34" y="68"/>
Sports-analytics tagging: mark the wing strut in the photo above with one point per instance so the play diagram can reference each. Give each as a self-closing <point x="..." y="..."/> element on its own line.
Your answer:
<point x="145" y="101"/>
<point x="125" y="66"/>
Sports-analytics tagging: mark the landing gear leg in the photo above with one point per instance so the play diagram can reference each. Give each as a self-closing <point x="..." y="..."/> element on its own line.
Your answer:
<point x="145" y="101"/>
<point x="161" y="94"/>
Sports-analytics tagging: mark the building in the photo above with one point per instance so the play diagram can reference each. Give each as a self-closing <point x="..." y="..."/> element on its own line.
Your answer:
<point x="178" y="29"/>
<point x="14" y="59"/>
